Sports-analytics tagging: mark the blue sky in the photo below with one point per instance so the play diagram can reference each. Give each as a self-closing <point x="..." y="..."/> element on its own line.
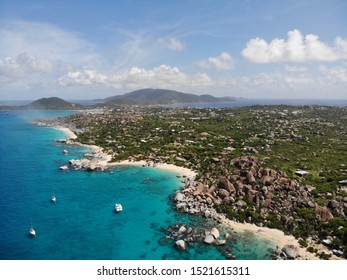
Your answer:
<point x="94" y="49"/>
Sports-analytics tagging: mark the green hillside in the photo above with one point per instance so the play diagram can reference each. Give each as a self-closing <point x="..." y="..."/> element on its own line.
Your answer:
<point x="51" y="103"/>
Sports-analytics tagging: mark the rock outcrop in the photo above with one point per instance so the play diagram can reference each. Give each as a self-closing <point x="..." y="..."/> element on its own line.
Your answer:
<point x="268" y="193"/>
<point x="181" y="245"/>
<point x="290" y="251"/>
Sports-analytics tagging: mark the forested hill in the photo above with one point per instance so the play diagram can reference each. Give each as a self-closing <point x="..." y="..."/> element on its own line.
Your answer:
<point x="51" y="103"/>
<point x="151" y="96"/>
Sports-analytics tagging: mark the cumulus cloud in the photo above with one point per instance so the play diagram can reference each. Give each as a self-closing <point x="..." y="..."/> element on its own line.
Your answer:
<point x="334" y="75"/>
<point x="84" y="78"/>
<point x="37" y="52"/>
<point x="297" y="48"/>
<point x="222" y="62"/>
<point x="23" y="65"/>
<point x="163" y="76"/>
<point x="46" y="40"/>
<point x="173" y="44"/>
<point x="290" y="68"/>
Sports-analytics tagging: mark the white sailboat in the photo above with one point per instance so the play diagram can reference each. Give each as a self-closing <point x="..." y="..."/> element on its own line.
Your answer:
<point x="118" y="207"/>
<point x="53" y="199"/>
<point x="32" y="232"/>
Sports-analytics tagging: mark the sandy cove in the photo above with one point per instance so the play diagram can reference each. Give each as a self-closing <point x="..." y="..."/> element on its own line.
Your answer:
<point x="182" y="171"/>
<point x="277" y="237"/>
<point x="68" y="132"/>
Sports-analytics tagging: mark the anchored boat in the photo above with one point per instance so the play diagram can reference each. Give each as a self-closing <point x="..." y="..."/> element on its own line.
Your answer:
<point x="32" y="232"/>
<point x="118" y="207"/>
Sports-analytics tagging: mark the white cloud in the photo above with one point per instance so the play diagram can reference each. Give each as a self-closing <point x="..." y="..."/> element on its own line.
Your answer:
<point x="202" y="80"/>
<point x="222" y="62"/>
<point x="85" y="77"/>
<point x="290" y="68"/>
<point x="46" y="41"/>
<point x="334" y="75"/>
<point x="296" y="49"/>
<point x="326" y="82"/>
<point x="341" y="47"/>
<point x="288" y="82"/>
<point x="172" y="43"/>
<point x="23" y="65"/>
<point x="163" y="76"/>
<point x="36" y="53"/>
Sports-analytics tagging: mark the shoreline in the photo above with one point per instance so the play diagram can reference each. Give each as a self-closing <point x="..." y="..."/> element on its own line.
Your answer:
<point x="68" y="132"/>
<point x="181" y="171"/>
<point x="277" y="237"/>
<point x="104" y="159"/>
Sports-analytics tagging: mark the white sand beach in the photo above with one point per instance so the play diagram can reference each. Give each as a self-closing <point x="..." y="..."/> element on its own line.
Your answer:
<point x="277" y="237"/>
<point x="182" y="171"/>
<point x="68" y="132"/>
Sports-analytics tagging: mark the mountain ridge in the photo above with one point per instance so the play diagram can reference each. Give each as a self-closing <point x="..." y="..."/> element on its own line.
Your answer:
<point x="150" y="96"/>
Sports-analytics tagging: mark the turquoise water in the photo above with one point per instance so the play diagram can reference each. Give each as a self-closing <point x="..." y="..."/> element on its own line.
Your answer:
<point x="82" y="223"/>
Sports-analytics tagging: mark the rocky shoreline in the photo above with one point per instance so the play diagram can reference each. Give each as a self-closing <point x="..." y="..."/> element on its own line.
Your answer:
<point x="266" y="189"/>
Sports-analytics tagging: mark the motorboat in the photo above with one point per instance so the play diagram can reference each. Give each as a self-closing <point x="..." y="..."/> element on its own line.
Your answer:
<point x="53" y="199"/>
<point x="118" y="207"/>
<point x="32" y="232"/>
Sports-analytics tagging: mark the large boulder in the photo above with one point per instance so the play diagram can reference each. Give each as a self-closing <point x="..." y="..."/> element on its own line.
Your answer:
<point x="323" y="213"/>
<point x="266" y="180"/>
<point x="200" y="189"/>
<point x="64" y="167"/>
<point x="219" y="242"/>
<point x="92" y="166"/>
<point x="224" y="183"/>
<point x="241" y="203"/>
<point x="222" y="193"/>
<point x="283" y="181"/>
<point x="209" y="239"/>
<point x="250" y="177"/>
<point x="179" y="197"/>
<point x="215" y="233"/>
<point x="266" y="202"/>
<point x="181" y="206"/>
<point x="290" y="251"/>
<point x="182" y="230"/>
<point x="250" y="195"/>
<point x="181" y="245"/>
<point x="332" y="204"/>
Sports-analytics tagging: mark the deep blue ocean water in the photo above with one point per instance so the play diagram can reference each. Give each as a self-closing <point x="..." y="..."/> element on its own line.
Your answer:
<point x="81" y="224"/>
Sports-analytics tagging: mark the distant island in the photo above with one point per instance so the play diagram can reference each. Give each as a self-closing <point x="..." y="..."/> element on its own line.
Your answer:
<point x="141" y="97"/>
<point x="150" y="96"/>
